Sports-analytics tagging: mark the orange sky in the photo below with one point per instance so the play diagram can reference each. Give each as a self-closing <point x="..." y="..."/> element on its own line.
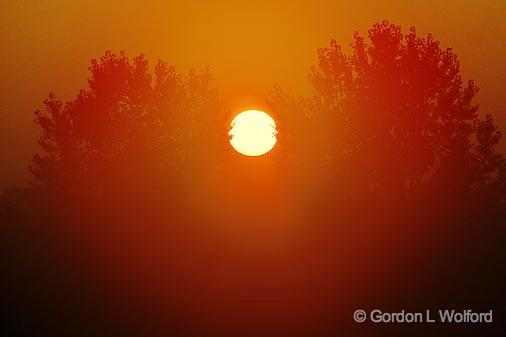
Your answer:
<point x="47" y="45"/>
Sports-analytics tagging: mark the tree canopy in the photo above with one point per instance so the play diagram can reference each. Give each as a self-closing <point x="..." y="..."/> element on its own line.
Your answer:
<point x="394" y="115"/>
<point x="129" y="124"/>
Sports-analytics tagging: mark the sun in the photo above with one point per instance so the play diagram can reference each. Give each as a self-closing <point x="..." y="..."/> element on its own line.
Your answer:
<point x="253" y="133"/>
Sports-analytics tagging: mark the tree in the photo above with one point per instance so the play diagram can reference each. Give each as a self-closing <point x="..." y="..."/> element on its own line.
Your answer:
<point x="108" y="181"/>
<point x="394" y="116"/>
<point x="413" y="189"/>
<point x="128" y="128"/>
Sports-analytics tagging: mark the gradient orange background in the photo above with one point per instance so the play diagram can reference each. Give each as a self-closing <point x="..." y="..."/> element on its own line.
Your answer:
<point x="47" y="46"/>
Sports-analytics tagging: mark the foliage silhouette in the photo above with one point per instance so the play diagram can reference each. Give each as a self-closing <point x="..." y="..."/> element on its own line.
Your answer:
<point x="400" y="162"/>
<point x="128" y="125"/>
<point x="395" y="116"/>
<point x="105" y="200"/>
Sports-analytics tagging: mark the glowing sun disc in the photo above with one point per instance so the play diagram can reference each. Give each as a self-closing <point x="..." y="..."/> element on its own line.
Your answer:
<point x="253" y="133"/>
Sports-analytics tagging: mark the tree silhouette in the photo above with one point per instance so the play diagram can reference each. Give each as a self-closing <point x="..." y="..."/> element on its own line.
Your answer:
<point x="107" y="187"/>
<point x="394" y="116"/>
<point x="128" y="126"/>
<point x="409" y="166"/>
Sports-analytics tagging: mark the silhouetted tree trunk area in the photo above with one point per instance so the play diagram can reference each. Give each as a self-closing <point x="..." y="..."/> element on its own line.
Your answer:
<point x="384" y="191"/>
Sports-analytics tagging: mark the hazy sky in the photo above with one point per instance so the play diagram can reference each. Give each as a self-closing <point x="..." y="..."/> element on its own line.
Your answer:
<point x="47" y="46"/>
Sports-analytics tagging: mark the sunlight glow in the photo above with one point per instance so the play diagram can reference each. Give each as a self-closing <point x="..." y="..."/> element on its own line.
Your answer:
<point x="253" y="133"/>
